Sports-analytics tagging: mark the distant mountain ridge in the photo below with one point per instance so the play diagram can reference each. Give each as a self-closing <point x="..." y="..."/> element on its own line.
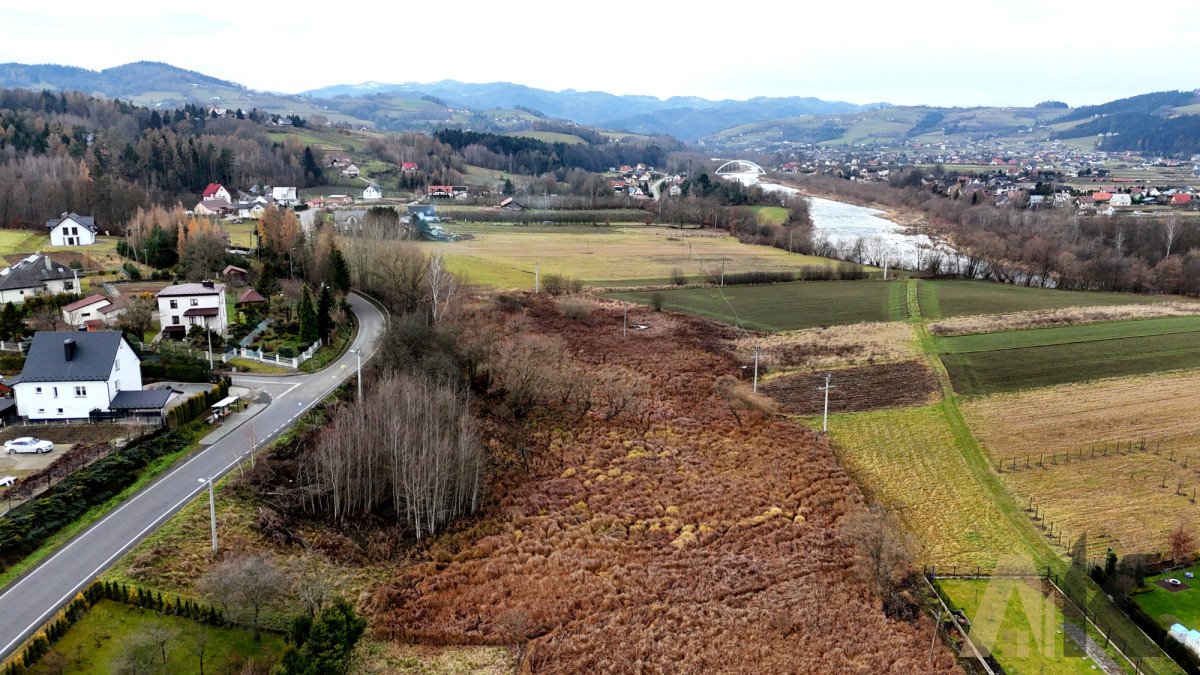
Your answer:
<point x="123" y="81"/>
<point x="687" y="117"/>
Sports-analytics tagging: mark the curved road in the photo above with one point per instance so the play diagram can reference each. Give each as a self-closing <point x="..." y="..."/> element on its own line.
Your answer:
<point x="32" y="599"/>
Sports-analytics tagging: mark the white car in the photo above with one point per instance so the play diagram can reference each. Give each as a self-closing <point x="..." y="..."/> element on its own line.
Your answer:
<point x="27" y="444"/>
<point x="8" y="481"/>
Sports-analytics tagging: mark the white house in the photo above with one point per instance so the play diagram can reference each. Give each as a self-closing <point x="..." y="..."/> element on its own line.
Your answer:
<point x="285" y="196"/>
<point x="253" y="210"/>
<point x="185" y="305"/>
<point x="72" y="229"/>
<point x="1120" y="199"/>
<point x="350" y="171"/>
<point x="372" y="191"/>
<point x="86" y="309"/>
<point x="216" y="191"/>
<point x="70" y="375"/>
<point x="35" y="275"/>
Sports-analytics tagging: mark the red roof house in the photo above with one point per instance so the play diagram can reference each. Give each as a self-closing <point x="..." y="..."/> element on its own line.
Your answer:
<point x="1181" y="198"/>
<point x="409" y="166"/>
<point x="1101" y="196"/>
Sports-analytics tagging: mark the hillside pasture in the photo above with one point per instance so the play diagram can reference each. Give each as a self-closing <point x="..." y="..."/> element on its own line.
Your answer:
<point x="505" y="256"/>
<point x="908" y="460"/>
<point x="947" y="298"/>
<point x="790" y="306"/>
<point x="1009" y="361"/>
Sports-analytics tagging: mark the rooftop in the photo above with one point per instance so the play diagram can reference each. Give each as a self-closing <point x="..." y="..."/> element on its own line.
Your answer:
<point x="191" y="289"/>
<point x="91" y="356"/>
<point x="89" y="300"/>
<point x="33" y="272"/>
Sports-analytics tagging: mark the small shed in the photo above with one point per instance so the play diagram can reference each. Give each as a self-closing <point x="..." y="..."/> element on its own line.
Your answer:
<point x="223" y="408"/>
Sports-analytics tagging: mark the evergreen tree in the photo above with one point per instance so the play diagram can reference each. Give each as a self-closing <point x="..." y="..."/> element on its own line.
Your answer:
<point x="308" y="319"/>
<point x="509" y="189"/>
<point x="11" y="325"/>
<point x="268" y="281"/>
<point x="322" y="646"/>
<point x="324" y="312"/>
<point x="339" y="271"/>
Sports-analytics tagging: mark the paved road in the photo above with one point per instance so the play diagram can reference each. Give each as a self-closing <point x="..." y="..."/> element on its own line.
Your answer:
<point x="30" y="601"/>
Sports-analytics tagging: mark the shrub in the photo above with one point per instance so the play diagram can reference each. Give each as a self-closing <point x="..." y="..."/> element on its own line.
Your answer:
<point x="574" y="310"/>
<point x="656" y="301"/>
<point x="848" y="271"/>
<point x="760" y="277"/>
<point x="556" y="284"/>
<point x="677" y="277"/>
<point x="509" y="303"/>
<point x="132" y="271"/>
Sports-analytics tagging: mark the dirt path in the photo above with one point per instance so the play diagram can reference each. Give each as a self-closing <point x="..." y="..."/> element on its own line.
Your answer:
<point x="1094" y="651"/>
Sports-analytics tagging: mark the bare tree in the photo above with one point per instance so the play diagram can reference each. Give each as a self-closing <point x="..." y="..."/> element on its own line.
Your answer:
<point x="883" y="552"/>
<point x="442" y="285"/>
<point x="138" y="316"/>
<point x="159" y="635"/>
<point x="244" y="586"/>
<point x="1181" y="542"/>
<point x="1170" y="231"/>
<point x="199" y="638"/>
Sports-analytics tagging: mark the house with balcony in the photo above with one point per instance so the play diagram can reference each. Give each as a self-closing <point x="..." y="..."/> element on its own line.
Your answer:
<point x="185" y="305"/>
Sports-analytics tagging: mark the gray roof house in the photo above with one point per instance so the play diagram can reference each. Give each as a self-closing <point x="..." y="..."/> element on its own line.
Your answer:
<point x="34" y="275"/>
<point x="73" y="375"/>
<point x="83" y="221"/>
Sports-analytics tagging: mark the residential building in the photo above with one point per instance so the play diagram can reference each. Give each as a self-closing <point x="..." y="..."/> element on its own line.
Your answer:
<point x="351" y="171"/>
<point x="372" y="191"/>
<point x="409" y="167"/>
<point x="284" y="196"/>
<point x="1120" y="199"/>
<point x="212" y="207"/>
<point x="70" y="375"/>
<point x="85" y="309"/>
<point x="185" y="305"/>
<point x="233" y="273"/>
<point x="36" y="275"/>
<point x="216" y="191"/>
<point x="72" y="229"/>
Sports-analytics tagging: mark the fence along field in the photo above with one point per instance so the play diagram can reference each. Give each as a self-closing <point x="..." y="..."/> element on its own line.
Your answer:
<point x="1088" y="470"/>
<point x="1014" y="360"/>
<point x="788" y="306"/>
<point x="949" y="298"/>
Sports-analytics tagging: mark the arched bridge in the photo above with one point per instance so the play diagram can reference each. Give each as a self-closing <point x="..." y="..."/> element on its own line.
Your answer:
<point x="739" y="166"/>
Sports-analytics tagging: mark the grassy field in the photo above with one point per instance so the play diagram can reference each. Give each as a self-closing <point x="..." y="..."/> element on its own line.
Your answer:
<point x="1016" y="645"/>
<point x="550" y="137"/>
<point x="1010" y="361"/>
<point x="102" y="640"/>
<point x="1129" y="499"/>
<point x="21" y="241"/>
<point x="504" y="256"/>
<point x="908" y="460"/>
<point x="771" y="215"/>
<point x="780" y="307"/>
<point x="960" y="298"/>
<point x="241" y="234"/>
<point x="1167" y="607"/>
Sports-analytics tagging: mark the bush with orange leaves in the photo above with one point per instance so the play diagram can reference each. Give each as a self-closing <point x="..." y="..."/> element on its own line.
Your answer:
<point x="667" y="537"/>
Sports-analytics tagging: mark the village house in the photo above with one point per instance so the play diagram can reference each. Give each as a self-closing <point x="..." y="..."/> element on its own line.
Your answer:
<point x="185" y="305"/>
<point x="351" y="171"/>
<point x="251" y="210"/>
<point x="1120" y="199"/>
<point x="72" y="229"/>
<point x="511" y="204"/>
<point x="212" y="207"/>
<point x="216" y="191"/>
<point x="409" y="167"/>
<point x="285" y="196"/>
<point x="234" y="274"/>
<point x="84" y="309"/>
<point x="71" y="375"/>
<point x="372" y="191"/>
<point x="35" y="275"/>
<point x="339" y="200"/>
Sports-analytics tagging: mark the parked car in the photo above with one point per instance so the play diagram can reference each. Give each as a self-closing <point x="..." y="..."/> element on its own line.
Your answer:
<point x="27" y="444"/>
<point x="8" y="481"/>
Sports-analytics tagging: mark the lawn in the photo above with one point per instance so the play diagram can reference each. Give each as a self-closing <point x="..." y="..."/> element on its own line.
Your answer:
<point x="241" y="234"/>
<point x="21" y="241"/>
<point x="940" y="299"/>
<point x="791" y="306"/>
<point x="1015" y="360"/>
<point x="504" y="256"/>
<point x="771" y="215"/>
<point x="1015" y="644"/>
<point x="908" y="459"/>
<point x="101" y="642"/>
<point x="1166" y="607"/>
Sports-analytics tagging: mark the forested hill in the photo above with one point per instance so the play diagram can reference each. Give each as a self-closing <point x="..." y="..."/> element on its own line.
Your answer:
<point x="71" y="152"/>
<point x="124" y="81"/>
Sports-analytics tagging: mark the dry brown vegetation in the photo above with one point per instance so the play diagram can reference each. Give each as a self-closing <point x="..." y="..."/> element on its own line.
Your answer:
<point x="1127" y="497"/>
<point x="672" y="539"/>
<point x="890" y="385"/>
<point x="994" y="323"/>
<point x="832" y="347"/>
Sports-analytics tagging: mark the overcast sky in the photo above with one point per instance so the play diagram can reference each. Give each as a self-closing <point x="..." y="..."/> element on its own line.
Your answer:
<point x="943" y="53"/>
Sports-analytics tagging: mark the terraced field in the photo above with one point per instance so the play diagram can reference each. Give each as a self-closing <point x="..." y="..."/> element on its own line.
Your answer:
<point x="1015" y="360"/>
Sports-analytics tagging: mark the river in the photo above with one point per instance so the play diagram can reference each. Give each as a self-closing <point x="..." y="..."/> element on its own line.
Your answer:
<point x="845" y="225"/>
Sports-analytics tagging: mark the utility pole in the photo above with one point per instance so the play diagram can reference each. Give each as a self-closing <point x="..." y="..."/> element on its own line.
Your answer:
<point x="886" y="259"/>
<point x="208" y="334"/>
<point x="757" y="351"/>
<point x="722" y="272"/>
<point x="826" y="388"/>
<point x="537" y="273"/>
<point x="212" y="511"/>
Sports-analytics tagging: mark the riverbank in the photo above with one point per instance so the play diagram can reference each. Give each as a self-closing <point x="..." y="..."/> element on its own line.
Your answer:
<point x="914" y="219"/>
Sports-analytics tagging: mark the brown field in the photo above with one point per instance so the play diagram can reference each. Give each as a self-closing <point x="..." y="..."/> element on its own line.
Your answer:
<point x="890" y="385"/>
<point x="1162" y="409"/>
<point x="994" y="323"/>
<point x="1126" y="497"/>
<point x="832" y="347"/>
<point x="671" y="538"/>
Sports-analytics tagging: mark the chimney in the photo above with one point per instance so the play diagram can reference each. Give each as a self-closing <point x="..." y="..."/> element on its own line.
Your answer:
<point x="69" y="349"/>
<point x="46" y="260"/>
<point x="207" y="283"/>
